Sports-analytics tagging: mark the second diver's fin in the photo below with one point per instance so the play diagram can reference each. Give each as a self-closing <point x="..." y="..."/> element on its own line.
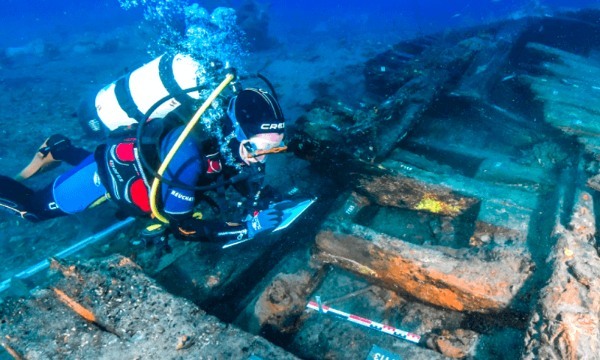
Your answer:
<point x="43" y="159"/>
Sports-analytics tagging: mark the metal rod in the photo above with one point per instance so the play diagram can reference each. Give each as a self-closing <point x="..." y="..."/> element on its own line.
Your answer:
<point x="44" y="264"/>
<point x="386" y="329"/>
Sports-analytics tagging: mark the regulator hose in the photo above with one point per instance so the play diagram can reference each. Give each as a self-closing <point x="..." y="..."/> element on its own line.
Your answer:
<point x="186" y="131"/>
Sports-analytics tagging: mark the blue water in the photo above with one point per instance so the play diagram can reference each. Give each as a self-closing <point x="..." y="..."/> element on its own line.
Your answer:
<point x="23" y="21"/>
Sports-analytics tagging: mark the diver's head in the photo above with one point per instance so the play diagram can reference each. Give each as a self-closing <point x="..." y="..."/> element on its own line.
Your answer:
<point x="258" y="124"/>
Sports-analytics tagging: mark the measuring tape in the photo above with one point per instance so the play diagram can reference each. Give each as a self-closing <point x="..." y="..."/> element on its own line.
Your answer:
<point x="390" y="330"/>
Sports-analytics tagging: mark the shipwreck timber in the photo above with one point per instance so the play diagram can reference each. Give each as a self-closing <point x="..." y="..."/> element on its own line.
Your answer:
<point x="506" y="129"/>
<point x="456" y="202"/>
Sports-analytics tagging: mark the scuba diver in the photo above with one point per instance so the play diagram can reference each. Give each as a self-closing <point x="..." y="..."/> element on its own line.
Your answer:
<point x="192" y="162"/>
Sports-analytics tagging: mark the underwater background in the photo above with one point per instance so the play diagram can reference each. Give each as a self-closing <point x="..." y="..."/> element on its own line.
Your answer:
<point x="21" y="21"/>
<point x="53" y="53"/>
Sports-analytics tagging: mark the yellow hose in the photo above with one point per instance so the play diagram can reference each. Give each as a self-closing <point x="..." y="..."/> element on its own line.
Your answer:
<point x="180" y="139"/>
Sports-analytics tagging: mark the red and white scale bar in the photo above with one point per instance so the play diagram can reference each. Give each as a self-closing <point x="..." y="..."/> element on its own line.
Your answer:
<point x="390" y="330"/>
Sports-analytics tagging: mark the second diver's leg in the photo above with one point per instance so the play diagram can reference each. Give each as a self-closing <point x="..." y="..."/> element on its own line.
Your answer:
<point x="79" y="188"/>
<point x="29" y="204"/>
<point x="72" y="192"/>
<point x="55" y="149"/>
<point x="15" y="198"/>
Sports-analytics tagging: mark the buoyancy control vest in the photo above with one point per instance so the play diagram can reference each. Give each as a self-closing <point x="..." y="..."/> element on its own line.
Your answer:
<point x="122" y="174"/>
<point x="124" y="177"/>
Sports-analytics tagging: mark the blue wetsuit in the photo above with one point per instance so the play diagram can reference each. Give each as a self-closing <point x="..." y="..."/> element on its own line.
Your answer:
<point x="91" y="179"/>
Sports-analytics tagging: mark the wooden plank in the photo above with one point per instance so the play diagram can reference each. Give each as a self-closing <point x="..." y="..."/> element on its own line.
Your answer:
<point x="505" y="171"/>
<point x="501" y="223"/>
<point x="564" y="323"/>
<point x="399" y="113"/>
<point x="555" y="93"/>
<point x="454" y="148"/>
<point x="414" y="192"/>
<point x="562" y="63"/>
<point x="487" y="65"/>
<point x="568" y="90"/>
<point x="464" y="186"/>
<point x="464" y="283"/>
<point x="505" y="210"/>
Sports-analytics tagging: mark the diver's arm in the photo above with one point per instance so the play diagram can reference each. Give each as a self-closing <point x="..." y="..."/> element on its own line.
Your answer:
<point x="186" y="168"/>
<point x="192" y="229"/>
<point x="186" y="227"/>
<point x="258" y="195"/>
<point x="249" y="180"/>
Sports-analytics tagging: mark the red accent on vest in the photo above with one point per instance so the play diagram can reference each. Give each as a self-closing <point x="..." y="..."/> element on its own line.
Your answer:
<point x="124" y="151"/>
<point x="123" y="175"/>
<point x="214" y="166"/>
<point x="139" y="195"/>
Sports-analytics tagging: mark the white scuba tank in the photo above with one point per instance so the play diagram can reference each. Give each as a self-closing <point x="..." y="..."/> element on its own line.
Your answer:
<point x="126" y="100"/>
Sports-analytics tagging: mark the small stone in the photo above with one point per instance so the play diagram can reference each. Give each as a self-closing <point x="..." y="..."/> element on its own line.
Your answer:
<point x="184" y="342"/>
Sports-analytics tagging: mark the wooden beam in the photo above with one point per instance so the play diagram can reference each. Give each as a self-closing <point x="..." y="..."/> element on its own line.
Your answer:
<point x="469" y="283"/>
<point x="564" y="323"/>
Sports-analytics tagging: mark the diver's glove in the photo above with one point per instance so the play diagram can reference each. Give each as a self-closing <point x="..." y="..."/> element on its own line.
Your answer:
<point x="264" y="221"/>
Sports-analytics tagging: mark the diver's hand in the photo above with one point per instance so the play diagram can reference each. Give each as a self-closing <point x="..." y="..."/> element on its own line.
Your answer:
<point x="264" y="221"/>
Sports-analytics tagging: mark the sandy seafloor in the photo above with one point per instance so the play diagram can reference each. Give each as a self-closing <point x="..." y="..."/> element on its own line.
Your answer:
<point x="41" y="93"/>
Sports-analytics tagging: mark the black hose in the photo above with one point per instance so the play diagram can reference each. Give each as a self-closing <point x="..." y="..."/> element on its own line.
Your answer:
<point x="242" y="176"/>
<point x="264" y="78"/>
<point x="139" y="133"/>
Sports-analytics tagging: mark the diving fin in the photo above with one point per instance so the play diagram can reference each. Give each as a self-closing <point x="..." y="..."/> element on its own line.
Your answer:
<point x="43" y="159"/>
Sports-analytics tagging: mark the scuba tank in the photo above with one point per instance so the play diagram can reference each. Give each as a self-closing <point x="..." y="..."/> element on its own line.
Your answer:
<point x="126" y="100"/>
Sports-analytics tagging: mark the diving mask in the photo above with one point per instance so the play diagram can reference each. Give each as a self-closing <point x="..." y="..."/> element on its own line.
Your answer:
<point x="256" y="148"/>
